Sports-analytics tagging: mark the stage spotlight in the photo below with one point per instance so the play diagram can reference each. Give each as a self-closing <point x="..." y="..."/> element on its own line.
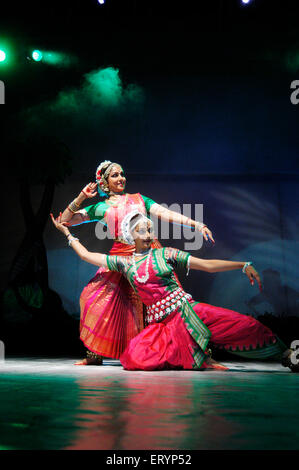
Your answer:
<point x="101" y="2"/>
<point x="245" y="2"/>
<point x="37" y="55"/>
<point x="7" y="53"/>
<point x="2" y="55"/>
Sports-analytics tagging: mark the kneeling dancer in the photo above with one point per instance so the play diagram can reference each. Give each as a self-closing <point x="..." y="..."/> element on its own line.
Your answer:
<point x="178" y="327"/>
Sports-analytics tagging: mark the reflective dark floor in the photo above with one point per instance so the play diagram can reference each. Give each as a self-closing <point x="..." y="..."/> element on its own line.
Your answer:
<point x="51" y="404"/>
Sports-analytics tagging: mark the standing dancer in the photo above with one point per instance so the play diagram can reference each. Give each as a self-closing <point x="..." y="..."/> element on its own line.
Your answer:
<point x="179" y="328"/>
<point x="111" y="312"/>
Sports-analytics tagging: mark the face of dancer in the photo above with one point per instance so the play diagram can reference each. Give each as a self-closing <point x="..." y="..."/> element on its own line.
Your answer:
<point x="116" y="179"/>
<point x="143" y="235"/>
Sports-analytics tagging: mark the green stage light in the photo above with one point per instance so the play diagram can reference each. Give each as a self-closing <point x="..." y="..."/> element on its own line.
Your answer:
<point x="7" y="54"/>
<point x="2" y="55"/>
<point x="37" y="55"/>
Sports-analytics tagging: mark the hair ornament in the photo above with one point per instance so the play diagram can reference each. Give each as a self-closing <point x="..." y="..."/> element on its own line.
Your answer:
<point x="101" y="177"/>
<point x="125" y="225"/>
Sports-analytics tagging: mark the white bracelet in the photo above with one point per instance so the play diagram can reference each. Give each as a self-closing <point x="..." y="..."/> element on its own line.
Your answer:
<point x="71" y="239"/>
<point x="200" y="225"/>
<point x="248" y="263"/>
<point x="188" y="265"/>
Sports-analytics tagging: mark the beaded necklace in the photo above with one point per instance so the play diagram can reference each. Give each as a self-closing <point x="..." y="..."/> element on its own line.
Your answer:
<point x="144" y="278"/>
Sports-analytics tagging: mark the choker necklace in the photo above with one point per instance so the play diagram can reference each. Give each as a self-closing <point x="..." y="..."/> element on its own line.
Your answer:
<point x="119" y="201"/>
<point x="143" y="253"/>
<point x="111" y="193"/>
<point x="144" y="278"/>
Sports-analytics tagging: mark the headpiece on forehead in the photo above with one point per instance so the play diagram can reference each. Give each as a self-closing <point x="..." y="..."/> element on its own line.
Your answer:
<point x="127" y="227"/>
<point x="102" y="174"/>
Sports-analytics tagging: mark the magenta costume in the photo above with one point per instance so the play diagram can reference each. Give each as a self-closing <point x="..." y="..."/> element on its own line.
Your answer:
<point x="111" y="312"/>
<point x="180" y="328"/>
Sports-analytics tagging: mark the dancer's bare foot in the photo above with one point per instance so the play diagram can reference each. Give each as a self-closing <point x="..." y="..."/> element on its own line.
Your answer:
<point x="90" y="361"/>
<point x="211" y="364"/>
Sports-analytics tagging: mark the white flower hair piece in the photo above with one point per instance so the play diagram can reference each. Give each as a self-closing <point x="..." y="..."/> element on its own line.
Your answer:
<point x="99" y="169"/>
<point x="125" y="225"/>
<point x="101" y="179"/>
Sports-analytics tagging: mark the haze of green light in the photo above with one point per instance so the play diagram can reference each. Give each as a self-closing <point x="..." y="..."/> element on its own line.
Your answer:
<point x="59" y="59"/>
<point x="103" y="89"/>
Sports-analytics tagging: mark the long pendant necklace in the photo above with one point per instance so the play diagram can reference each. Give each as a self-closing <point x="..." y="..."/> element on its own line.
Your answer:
<point x="144" y="278"/>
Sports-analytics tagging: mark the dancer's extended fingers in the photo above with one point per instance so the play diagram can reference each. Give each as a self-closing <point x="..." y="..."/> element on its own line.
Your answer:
<point x="253" y="275"/>
<point x="89" y="190"/>
<point x="210" y="235"/>
<point x="256" y="276"/>
<point x="57" y="220"/>
<point x="207" y="234"/>
<point x="204" y="233"/>
<point x="93" y="187"/>
<point x="53" y="220"/>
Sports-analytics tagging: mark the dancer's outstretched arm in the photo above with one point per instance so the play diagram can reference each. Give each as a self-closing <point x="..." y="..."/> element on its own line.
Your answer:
<point x="170" y="216"/>
<point x="98" y="259"/>
<point x="219" y="265"/>
<point x="211" y="265"/>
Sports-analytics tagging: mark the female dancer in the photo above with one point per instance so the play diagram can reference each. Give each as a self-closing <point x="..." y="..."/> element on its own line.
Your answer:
<point x="111" y="312"/>
<point x="179" y="328"/>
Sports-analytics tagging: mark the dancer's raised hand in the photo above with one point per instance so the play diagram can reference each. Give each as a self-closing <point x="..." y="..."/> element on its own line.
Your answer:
<point x="60" y="225"/>
<point x="90" y="190"/>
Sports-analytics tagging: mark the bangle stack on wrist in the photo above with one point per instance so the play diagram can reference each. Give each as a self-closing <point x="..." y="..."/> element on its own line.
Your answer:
<point x="73" y="206"/>
<point x="200" y="225"/>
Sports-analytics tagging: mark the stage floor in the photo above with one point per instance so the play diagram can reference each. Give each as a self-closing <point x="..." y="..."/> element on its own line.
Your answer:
<point x="52" y="404"/>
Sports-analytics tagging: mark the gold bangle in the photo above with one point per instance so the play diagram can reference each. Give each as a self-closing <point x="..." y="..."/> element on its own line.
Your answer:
<point x="70" y="209"/>
<point x="73" y="206"/>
